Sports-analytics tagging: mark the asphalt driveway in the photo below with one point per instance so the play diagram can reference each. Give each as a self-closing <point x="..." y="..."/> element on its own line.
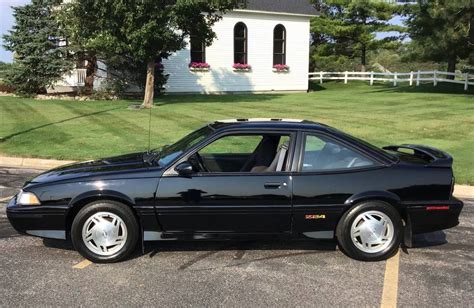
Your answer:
<point x="439" y="271"/>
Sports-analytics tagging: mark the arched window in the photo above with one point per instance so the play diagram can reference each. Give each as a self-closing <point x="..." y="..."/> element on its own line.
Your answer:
<point x="240" y="43"/>
<point x="198" y="49"/>
<point x="279" y="45"/>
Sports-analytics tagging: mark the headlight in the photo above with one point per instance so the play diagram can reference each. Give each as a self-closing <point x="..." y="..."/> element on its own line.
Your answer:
<point x="27" y="198"/>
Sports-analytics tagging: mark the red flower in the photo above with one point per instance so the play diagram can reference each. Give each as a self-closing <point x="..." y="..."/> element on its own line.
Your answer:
<point x="281" y="67"/>
<point x="199" y="65"/>
<point x="241" y="66"/>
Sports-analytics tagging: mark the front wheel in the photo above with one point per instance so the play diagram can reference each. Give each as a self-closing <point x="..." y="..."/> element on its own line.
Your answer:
<point x="105" y="231"/>
<point x="370" y="231"/>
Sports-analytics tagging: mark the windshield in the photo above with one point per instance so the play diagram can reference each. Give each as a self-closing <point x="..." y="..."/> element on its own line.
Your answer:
<point x="170" y="152"/>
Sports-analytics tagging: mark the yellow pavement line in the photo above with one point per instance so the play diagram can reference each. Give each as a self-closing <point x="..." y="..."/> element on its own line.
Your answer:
<point x="83" y="264"/>
<point x="390" y="282"/>
<point x="6" y="198"/>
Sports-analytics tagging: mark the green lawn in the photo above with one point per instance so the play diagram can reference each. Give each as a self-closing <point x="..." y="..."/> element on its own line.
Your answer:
<point x="380" y="114"/>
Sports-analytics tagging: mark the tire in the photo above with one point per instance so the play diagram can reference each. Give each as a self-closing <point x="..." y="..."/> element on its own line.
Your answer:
<point x="105" y="231"/>
<point x="363" y="235"/>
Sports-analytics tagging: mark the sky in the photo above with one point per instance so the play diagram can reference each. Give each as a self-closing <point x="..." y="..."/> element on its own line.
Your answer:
<point x="7" y="21"/>
<point x="396" y="20"/>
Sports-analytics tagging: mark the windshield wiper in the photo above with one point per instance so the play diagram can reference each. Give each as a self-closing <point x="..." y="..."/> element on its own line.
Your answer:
<point x="150" y="156"/>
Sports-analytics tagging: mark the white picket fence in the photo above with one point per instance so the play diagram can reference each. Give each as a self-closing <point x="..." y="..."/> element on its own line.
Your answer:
<point x="395" y="78"/>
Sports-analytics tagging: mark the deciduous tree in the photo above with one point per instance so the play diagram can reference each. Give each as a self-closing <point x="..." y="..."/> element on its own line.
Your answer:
<point x="144" y="31"/>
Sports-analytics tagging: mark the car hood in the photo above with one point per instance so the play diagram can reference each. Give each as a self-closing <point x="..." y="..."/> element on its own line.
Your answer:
<point x="106" y="166"/>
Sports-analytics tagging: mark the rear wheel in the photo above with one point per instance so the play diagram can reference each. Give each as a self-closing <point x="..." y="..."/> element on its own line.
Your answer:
<point x="370" y="231"/>
<point x="105" y="231"/>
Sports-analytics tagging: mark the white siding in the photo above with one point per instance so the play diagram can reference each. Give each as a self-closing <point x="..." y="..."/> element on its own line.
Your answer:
<point x="222" y="78"/>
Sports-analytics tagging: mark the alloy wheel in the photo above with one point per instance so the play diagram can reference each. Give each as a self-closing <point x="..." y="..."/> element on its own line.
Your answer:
<point x="372" y="231"/>
<point x="104" y="233"/>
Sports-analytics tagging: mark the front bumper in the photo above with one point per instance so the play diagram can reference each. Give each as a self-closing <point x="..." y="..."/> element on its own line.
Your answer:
<point x="434" y="216"/>
<point x="42" y="221"/>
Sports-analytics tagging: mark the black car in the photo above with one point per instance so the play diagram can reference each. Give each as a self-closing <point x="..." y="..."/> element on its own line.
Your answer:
<point x="244" y="178"/>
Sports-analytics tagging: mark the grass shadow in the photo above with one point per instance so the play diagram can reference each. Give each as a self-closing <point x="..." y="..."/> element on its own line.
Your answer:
<point x="441" y="88"/>
<point x="215" y="98"/>
<point x="8" y="137"/>
<point x="314" y="86"/>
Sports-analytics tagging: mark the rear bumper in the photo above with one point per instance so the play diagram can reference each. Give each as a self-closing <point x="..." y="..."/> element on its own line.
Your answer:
<point x="433" y="216"/>
<point x="42" y="221"/>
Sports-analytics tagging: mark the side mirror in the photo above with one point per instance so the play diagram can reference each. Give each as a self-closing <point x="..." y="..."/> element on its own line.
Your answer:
<point x="184" y="169"/>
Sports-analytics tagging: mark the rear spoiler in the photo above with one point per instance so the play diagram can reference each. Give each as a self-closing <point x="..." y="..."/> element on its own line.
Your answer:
<point x="434" y="157"/>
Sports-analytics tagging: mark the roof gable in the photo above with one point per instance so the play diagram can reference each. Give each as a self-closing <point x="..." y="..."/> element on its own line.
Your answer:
<point x="303" y="7"/>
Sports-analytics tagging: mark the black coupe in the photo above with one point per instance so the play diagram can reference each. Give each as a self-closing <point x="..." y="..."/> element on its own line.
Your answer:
<point x="242" y="178"/>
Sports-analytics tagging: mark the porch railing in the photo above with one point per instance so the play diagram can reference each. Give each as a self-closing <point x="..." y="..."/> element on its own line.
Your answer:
<point x="81" y="74"/>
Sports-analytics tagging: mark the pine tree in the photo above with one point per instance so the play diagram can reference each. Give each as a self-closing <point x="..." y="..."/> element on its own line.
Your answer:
<point x="441" y="31"/>
<point x="346" y="30"/>
<point x="41" y="59"/>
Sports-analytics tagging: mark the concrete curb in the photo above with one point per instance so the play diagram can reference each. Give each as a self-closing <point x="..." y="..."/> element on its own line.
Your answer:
<point x="464" y="191"/>
<point x="460" y="191"/>
<point x="33" y="163"/>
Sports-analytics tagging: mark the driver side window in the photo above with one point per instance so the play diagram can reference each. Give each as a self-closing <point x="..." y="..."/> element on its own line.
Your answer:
<point x="324" y="154"/>
<point x="243" y="153"/>
<point x="232" y="145"/>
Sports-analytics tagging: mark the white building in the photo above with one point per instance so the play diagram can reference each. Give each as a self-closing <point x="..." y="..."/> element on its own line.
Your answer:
<point x="262" y="34"/>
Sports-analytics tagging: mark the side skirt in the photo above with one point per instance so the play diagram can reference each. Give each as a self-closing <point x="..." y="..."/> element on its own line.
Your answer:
<point x="55" y="234"/>
<point x="319" y="234"/>
<point x="162" y="236"/>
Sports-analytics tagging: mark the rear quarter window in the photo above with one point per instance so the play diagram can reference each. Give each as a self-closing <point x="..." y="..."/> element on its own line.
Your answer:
<point x="324" y="154"/>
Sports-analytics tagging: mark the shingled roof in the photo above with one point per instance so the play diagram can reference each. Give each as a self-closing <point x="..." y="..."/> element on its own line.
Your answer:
<point x="303" y="7"/>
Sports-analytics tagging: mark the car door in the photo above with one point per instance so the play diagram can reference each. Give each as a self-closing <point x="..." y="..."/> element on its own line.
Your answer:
<point x="328" y="173"/>
<point x="231" y="201"/>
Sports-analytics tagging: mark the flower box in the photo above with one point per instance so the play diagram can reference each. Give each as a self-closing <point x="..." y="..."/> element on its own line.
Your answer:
<point x="281" y="68"/>
<point x="239" y="67"/>
<point x="199" y="67"/>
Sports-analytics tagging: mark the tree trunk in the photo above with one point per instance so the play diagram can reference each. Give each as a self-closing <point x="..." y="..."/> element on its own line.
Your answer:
<point x="451" y="67"/>
<point x="150" y="84"/>
<point x="91" y="70"/>
<point x="363" y="59"/>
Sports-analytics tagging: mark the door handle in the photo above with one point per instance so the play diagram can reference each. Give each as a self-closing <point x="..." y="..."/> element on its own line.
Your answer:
<point x="274" y="185"/>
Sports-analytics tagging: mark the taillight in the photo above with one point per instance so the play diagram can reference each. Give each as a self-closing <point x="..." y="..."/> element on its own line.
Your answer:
<point x="437" y="207"/>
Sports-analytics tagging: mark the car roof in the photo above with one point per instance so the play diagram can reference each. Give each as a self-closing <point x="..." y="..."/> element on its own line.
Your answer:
<point x="267" y="123"/>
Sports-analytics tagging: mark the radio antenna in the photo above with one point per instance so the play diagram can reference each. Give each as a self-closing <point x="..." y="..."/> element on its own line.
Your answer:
<point x="149" y="129"/>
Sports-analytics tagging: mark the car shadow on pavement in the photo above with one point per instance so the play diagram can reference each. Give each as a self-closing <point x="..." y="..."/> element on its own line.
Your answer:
<point x="431" y="239"/>
<point x="282" y="249"/>
<point x="154" y="248"/>
<point x="209" y="248"/>
<point x="59" y="244"/>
